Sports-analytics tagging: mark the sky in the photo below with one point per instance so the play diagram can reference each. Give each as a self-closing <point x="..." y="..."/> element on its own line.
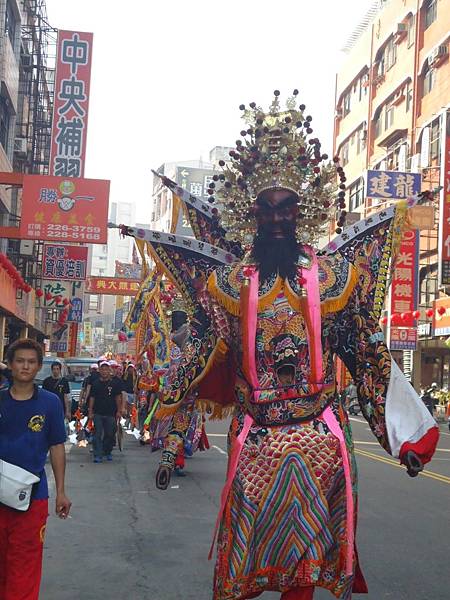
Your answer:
<point x="168" y="76"/>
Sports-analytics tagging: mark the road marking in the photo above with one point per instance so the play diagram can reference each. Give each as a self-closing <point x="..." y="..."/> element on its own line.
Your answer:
<point x="390" y="461"/>
<point x="220" y="450"/>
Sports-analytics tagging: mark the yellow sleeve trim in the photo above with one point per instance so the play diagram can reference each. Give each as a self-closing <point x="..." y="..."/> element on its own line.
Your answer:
<point x="230" y="304"/>
<point x="337" y="303"/>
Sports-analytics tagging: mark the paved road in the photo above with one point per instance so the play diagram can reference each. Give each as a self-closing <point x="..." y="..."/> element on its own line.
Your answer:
<point x="127" y="540"/>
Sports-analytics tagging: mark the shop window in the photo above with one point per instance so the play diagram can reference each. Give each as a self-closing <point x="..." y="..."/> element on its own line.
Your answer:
<point x="429" y="79"/>
<point x="411" y="30"/>
<point x="430" y="12"/>
<point x="4" y="123"/>
<point x="356" y="194"/>
<point x="10" y="23"/>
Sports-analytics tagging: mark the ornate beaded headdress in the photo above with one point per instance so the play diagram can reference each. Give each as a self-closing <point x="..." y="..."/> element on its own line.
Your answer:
<point x="278" y="152"/>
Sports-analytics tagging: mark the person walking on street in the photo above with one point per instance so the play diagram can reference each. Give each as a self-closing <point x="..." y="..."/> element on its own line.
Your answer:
<point x="31" y="425"/>
<point x="59" y="385"/>
<point x="105" y="408"/>
<point x="86" y="386"/>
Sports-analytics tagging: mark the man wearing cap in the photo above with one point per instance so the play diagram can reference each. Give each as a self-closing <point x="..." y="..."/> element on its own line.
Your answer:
<point x="105" y="407"/>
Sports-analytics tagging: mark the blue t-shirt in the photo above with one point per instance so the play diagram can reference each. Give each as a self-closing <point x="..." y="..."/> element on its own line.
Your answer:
<point x="27" y="430"/>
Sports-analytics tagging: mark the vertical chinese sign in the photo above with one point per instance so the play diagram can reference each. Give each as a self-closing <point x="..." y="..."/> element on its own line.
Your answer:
<point x="70" y="113"/>
<point x="405" y="293"/>
<point x="444" y="256"/>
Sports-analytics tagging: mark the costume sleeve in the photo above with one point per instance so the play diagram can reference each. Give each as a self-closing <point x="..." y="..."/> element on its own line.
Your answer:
<point x="206" y="365"/>
<point x="391" y="406"/>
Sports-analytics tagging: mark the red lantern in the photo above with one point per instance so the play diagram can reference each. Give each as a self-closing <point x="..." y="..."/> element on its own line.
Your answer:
<point x="442" y="310"/>
<point x="58" y="299"/>
<point x="39" y="293"/>
<point x="48" y="296"/>
<point x="430" y="313"/>
<point x="66" y="301"/>
<point x="384" y="320"/>
<point x="27" y="288"/>
<point x="416" y="314"/>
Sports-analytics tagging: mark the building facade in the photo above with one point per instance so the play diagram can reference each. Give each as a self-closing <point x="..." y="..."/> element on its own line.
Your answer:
<point x="391" y="114"/>
<point x="27" y="56"/>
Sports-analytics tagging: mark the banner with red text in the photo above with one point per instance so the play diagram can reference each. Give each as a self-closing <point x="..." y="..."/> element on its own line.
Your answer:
<point x="444" y="254"/>
<point x="112" y="286"/>
<point x="405" y="291"/>
<point x="71" y="104"/>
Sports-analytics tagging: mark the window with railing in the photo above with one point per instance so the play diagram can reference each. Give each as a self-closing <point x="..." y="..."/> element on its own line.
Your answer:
<point x="411" y="30"/>
<point x="435" y="140"/>
<point x="346" y="103"/>
<point x="10" y="22"/>
<point x="345" y="153"/>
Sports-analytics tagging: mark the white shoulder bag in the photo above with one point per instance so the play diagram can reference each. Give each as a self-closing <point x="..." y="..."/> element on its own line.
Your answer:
<point x="16" y="486"/>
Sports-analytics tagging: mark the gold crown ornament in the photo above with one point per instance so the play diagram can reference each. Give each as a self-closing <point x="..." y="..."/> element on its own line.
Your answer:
<point x="278" y="152"/>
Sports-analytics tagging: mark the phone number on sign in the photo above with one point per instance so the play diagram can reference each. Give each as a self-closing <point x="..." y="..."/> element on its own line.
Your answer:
<point x="74" y="232"/>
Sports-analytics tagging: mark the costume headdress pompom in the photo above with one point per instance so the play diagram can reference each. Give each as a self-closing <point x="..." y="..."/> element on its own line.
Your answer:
<point x="277" y="151"/>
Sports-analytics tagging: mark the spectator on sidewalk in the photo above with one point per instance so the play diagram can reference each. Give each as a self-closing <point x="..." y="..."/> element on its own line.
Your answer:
<point x="59" y="385"/>
<point x="105" y="408"/>
<point x="31" y="425"/>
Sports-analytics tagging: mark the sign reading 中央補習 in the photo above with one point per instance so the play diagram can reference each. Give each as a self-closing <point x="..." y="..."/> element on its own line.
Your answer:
<point x="71" y="104"/>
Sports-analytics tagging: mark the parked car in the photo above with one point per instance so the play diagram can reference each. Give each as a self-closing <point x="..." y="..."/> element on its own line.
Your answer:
<point x="77" y="370"/>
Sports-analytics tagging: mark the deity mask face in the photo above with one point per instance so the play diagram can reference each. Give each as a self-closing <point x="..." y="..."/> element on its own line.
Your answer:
<point x="276" y="213"/>
<point x="275" y="247"/>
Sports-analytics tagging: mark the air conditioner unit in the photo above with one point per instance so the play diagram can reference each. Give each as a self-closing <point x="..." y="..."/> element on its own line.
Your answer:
<point x="27" y="61"/>
<point x="26" y="247"/>
<point x="20" y="146"/>
<point x="400" y="32"/>
<point x="439" y="54"/>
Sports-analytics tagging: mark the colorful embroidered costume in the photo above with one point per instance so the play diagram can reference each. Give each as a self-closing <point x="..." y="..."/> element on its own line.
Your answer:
<point x="289" y="506"/>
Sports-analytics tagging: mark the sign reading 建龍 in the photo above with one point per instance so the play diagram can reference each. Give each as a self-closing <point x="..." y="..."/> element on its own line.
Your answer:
<point x="404" y="292"/>
<point x="392" y="185"/>
<point x="113" y="286"/>
<point x="64" y="210"/>
<point x="64" y="262"/>
<point x="70" y="113"/>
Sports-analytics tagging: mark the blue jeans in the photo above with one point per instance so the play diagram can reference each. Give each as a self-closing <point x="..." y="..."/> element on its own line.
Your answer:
<point x="104" y="434"/>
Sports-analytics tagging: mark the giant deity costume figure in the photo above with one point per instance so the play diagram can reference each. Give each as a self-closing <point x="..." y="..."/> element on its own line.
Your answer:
<point x="270" y="317"/>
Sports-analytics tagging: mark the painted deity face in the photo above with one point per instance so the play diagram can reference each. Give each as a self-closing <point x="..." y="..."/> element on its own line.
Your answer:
<point x="276" y="213"/>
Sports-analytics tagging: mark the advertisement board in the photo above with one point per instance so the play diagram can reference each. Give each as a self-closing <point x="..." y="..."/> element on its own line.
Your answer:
<point x="444" y="254"/>
<point x="112" y="286"/>
<point x="392" y="185"/>
<point x="64" y="262"/>
<point x="405" y="291"/>
<point x="64" y="210"/>
<point x="71" y="104"/>
<point x="75" y="311"/>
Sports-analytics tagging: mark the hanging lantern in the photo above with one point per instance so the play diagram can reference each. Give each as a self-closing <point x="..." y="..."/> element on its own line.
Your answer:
<point x="39" y="293"/>
<point x="66" y="301"/>
<point x="416" y="314"/>
<point x="48" y="296"/>
<point x="58" y="299"/>
<point x="430" y="313"/>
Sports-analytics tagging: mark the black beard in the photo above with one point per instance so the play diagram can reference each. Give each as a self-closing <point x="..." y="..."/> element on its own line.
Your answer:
<point x="275" y="255"/>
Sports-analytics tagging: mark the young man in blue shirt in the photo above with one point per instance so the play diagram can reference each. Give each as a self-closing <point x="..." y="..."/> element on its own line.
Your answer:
<point x="31" y="425"/>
